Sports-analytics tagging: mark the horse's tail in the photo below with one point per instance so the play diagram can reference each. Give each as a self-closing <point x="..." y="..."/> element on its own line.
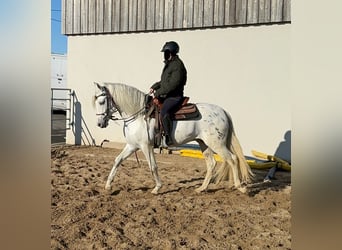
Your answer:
<point x="233" y="144"/>
<point x="245" y="170"/>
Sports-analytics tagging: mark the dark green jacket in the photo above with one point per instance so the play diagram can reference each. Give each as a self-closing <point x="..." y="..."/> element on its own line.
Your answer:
<point x="173" y="79"/>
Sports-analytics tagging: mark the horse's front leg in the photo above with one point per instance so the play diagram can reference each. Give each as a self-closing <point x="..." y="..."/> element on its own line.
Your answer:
<point x="125" y="153"/>
<point x="149" y="154"/>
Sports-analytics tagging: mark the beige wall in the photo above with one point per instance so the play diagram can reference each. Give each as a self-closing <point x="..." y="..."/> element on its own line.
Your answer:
<point x="245" y="70"/>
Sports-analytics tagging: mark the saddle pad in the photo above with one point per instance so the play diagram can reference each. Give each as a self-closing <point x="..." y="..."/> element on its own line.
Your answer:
<point x="187" y="112"/>
<point x="188" y="108"/>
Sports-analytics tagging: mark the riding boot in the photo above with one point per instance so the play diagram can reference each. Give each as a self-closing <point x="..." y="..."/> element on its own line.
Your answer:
<point x="167" y="124"/>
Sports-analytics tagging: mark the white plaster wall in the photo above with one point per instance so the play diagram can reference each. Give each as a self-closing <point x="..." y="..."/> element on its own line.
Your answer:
<point x="245" y="70"/>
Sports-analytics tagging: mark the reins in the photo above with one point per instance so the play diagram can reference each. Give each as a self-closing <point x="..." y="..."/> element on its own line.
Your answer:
<point x="129" y="118"/>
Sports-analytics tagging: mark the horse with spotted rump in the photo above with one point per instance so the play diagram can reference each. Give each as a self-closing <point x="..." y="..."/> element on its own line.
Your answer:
<point x="213" y="131"/>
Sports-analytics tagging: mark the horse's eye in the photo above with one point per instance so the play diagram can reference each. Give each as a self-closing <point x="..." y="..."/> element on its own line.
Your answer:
<point x="102" y="102"/>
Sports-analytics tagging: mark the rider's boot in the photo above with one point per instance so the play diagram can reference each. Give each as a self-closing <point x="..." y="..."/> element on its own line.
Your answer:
<point x="167" y="124"/>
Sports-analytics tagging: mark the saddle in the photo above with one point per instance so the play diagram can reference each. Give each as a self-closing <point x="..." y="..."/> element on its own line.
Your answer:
<point x="187" y="111"/>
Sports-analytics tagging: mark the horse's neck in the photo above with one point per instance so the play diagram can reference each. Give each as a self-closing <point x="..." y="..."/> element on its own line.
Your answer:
<point x="129" y="101"/>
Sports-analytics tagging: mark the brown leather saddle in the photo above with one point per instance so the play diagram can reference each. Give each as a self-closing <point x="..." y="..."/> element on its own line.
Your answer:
<point x="187" y="111"/>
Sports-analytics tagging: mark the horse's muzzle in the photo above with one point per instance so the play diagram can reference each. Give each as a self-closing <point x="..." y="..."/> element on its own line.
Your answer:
<point x="102" y="123"/>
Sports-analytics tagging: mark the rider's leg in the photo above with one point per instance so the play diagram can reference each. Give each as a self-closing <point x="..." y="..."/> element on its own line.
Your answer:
<point x="167" y="124"/>
<point x="169" y="106"/>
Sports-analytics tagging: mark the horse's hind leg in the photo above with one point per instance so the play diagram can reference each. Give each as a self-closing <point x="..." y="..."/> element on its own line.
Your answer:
<point x="230" y="160"/>
<point x="149" y="155"/>
<point x="210" y="162"/>
<point x="125" y="153"/>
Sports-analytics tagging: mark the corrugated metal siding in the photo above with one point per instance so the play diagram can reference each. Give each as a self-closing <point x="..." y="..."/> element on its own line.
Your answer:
<point x="116" y="16"/>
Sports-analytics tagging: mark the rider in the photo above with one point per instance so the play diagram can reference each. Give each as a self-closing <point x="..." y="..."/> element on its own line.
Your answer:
<point x="169" y="90"/>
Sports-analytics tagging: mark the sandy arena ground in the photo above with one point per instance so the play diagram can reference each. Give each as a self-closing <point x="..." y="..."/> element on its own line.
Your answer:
<point x="86" y="216"/>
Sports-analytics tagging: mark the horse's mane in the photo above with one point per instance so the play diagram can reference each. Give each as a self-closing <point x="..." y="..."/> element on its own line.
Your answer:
<point x="128" y="98"/>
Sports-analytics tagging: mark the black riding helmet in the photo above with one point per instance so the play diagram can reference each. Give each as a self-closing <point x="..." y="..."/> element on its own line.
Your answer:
<point x="171" y="46"/>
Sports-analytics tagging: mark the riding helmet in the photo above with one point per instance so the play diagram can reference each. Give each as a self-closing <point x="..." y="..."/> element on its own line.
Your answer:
<point x="171" y="46"/>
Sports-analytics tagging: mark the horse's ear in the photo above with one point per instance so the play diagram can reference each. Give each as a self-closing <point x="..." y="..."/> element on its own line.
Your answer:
<point x="98" y="85"/>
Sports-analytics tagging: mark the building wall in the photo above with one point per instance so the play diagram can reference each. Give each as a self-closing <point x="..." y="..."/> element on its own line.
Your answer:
<point x="59" y="80"/>
<point x="58" y="71"/>
<point x="246" y="70"/>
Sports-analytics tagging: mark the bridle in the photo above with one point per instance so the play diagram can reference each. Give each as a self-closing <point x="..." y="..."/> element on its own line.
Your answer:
<point x="113" y="108"/>
<point x="111" y="105"/>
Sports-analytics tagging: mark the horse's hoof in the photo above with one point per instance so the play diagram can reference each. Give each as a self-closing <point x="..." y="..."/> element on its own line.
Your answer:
<point x="199" y="190"/>
<point x="108" y="187"/>
<point x="242" y="189"/>
<point x="155" y="190"/>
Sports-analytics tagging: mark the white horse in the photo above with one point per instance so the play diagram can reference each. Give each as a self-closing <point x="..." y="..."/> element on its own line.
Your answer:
<point x="213" y="131"/>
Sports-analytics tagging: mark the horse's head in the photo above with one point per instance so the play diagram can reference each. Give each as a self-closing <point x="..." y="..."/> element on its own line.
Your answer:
<point x="104" y="105"/>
